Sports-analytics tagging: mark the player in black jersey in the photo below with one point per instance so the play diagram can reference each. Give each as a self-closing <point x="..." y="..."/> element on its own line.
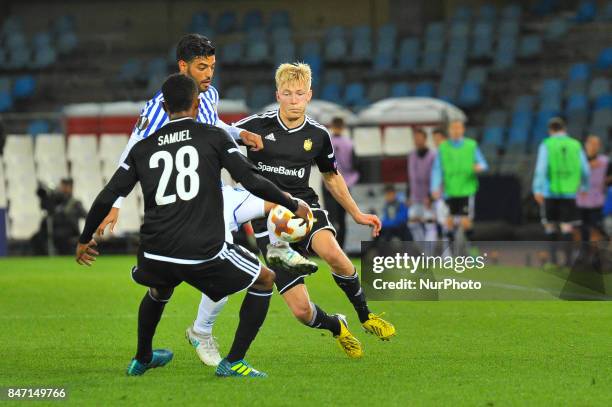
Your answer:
<point x="183" y="234"/>
<point x="292" y="143"/>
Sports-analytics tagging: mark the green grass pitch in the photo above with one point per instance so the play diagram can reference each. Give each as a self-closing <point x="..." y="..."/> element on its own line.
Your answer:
<point x="75" y="327"/>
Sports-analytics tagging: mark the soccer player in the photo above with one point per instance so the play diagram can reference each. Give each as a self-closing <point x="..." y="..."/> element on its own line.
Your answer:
<point x="454" y="177"/>
<point x="420" y="161"/>
<point x="292" y="143"/>
<point x="196" y="59"/>
<point x="561" y="171"/>
<point x="183" y="235"/>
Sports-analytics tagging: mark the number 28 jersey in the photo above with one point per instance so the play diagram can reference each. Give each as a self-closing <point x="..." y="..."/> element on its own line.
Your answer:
<point x="178" y="167"/>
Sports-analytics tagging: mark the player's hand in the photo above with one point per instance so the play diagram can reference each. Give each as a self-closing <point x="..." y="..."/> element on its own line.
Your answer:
<point x="251" y="140"/>
<point x="303" y="211"/>
<point x="539" y="198"/>
<point x="477" y="168"/>
<point x="369" y="220"/>
<point x="110" y="220"/>
<point x="85" y="253"/>
<point x="435" y="195"/>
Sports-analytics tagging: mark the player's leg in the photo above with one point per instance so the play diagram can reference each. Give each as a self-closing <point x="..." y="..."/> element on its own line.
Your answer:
<point x="324" y="244"/>
<point x="415" y="222"/>
<point x="549" y="215"/>
<point x="310" y="314"/>
<point x="200" y="334"/>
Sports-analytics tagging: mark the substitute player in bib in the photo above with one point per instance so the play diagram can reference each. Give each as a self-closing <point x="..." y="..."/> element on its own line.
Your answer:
<point x="292" y="142"/>
<point x="562" y="170"/>
<point x="182" y="238"/>
<point x="195" y="55"/>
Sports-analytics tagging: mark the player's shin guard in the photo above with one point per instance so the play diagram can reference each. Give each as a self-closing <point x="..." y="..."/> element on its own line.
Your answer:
<point x="352" y="288"/>
<point x="208" y="311"/>
<point x="149" y="314"/>
<point x="252" y="315"/>
<point x="321" y="320"/>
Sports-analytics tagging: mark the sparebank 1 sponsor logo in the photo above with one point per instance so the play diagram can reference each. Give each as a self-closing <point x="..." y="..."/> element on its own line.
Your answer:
<point x="282" y="170"/>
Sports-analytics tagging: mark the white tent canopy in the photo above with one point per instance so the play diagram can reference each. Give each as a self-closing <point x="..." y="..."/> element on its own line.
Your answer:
<point x="410" y="110"/>
<point x="323" y="111"/>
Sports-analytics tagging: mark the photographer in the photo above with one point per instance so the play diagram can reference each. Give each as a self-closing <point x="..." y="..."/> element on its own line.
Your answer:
<point x="60" y="228"/>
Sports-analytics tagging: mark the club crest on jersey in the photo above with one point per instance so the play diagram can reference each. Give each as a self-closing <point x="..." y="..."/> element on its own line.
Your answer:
<point x="142" y="123"/>
<point x="308" y="144"/>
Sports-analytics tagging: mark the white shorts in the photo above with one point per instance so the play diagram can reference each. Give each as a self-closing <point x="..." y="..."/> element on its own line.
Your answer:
<point x="239" y="206"/>
<point x="419" y="212"/>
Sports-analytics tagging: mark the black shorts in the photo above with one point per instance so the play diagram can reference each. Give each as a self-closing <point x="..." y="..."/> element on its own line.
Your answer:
<point x="559" y="210"/>
<point x="233" y="269"/>
<point x="463" y="206"/>
<point x="285" y="280"/>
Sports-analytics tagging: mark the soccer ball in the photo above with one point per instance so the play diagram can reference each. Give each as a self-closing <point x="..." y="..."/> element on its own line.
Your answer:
<point x="288" y="227"/>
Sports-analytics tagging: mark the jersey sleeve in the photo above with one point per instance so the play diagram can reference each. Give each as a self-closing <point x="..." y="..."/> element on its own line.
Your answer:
<point x="125" y="177"/>
<point x="326" y="160"/>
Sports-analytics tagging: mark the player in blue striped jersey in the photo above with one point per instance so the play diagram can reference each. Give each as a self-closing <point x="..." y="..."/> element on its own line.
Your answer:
<point x="196" y="59"/>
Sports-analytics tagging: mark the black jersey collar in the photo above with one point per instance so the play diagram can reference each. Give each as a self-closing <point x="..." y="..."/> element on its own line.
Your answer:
<point x="288" y="130"/>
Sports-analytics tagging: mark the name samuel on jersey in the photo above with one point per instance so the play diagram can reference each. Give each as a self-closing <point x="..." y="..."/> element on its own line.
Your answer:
<point x="175" y="137"/>
<point x="282" y="170"/>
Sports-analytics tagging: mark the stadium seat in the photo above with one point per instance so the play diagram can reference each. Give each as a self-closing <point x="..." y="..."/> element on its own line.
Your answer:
<point x="462" y="14"/>
<point x="482" y="40"/>
<point x="257" y="52"/>
<point x="496" y="118"/>
<point x="551" y="87"/>
<point x="602" y="118"/>
<point x="511" y="12"/>
<point x="36" y="127"/>
<point x="586" y="12"/>
<point x="335" y="32"/>
<point x="260" y="96"/>
<point x="284" y="52"/>
<point x="111" y="146"/>
<point x="508" y="29"/>
<point x="24" y="87"/>
<point x="424" y="89"/>
<point x="235" y="92"/>
<point x="157" y="67"/>
<point x="335" y="76"/>
<point x="397" y="141"/>
<point x="130" y="70"/>
<point x="226" y="22"/>
<point x="530" y="46"/>
<point x="336" y="50"/>
<point x="487" y="12"/>
<point x="44" y="57"/>
<point x="493" y="137"/>
<point x="82" y="147"/>
<point x="378" y="91"/>
<point x="434" y="31"/>
<point x="556" y="28"/>
<point x="522" y="119"/>
<point x="603" y="102"/>
<point x="232" y="52"/>
<point x="67" y="42"/>
<point x="576" y="87"/>
<point x="577" y="103"/>
<point x="252" y="18"/>
<point x="469" y="95"/>
<point x="447" y="91"/>
<point x="6" y="101"/>
<point x="579" y="72"/>
<point x="505" y="55"/>
<point x="460" y="30"/>
<point x="387" y="36"/>
<point x="361" y="50"/>
<point x="19" y="58"/>
<point x="604" y="60"/>
<point x="477" y="74"/>
<point x="279" y="18"/>
<point x="524" y="103"/>
<point x="50" y="158"/>
<point x="310" y="48"/>
<point x="432" y="61"/>
<point x="367" y="141"/>
<point x="598" y="87"/>
<point x="400" y="89"/>
<point x="409" y="55"/>
<point x="354" y="95"/>
<point x="383" y="63"/>
<point x="199" y="22"/>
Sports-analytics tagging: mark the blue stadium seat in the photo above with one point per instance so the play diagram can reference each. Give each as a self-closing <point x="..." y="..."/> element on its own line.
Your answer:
<point x="387" y="32"/>
<point x="257" y="52"/>
<point x="522" y="119"/>
<point x="284" y="52"/>
<point x="310" y="48"/>
<point x="237" y="92"/>
<point x="462" y="13"/>
<point x="130" y="70"/>
<point x="517" y="137"/>
<point x="603" y="102"/>
<point x="551" y="87"/>
<point x="477" y="74"/>
<point x="316" y="64"/>
<point x="577" y="102"/>
<point x="361" y="33"/>
<point x="156" y="67"/>
<point x="67" y="42"/>
<point x="63" y="24"/>
<point x="6" y="101"/>
<point x="336" y="50"/>
<point x="280" y="34"/>
<point x="252" y="19"/>
<point x="505" y="55"/>
<point x="496" y="118"/>
<point x="41" y="39"/>
<point x="432" y="61"/>
<point x="231" y="53"/>
<point x="226" y="22"/>
<point x="378" y="91"/>
<point x="400" y="89"/>
<point x="576" y="87"/>
<point x="487" y="12"/>
<point x="493" y="136"/>
<point x="37" y="127"/>
<point x="256" y="34"/>
<point x="44" y="57"/>
<point x="586" y="12"/>
<point x="508" y="29"/>
<point x="24" y="87"/>
<point x="335" y="32"/>
<point x="557" y="28"/>
<point x="383" y="63"/>
<point x="335" y="76"/>
<point x="199" y="22"/>
<point x="354" y="94"/>
<point x="447" y="91"/>
<point x="598" y="87"/>
<point x="260" y="96"/>
<point x="19" y="58"/>
<point x="424" y="89"/>
<point x="361" y="50"/>
<point x="524" y="103"/>
<point x="604" y="59"/>
<point x="460" y="30"/>
<point x="470" y="95"/>
<point x="550" y="102"/>
<point x="511" y="12"/>
<point x="280" y="18"/>
<point x="579" y="71"/>
<point x="409" y="55"/>
<point x="530" y="46"/>
<point x="331" y="93"/>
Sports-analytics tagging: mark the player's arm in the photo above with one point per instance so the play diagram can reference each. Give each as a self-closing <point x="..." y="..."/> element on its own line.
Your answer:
<point x="436" y="178"/>
<point x="585" y="172"/>
<point x="248" y="138"/>
<point x="540" y="181"/>
<point x="245" y="172"/>
<point x="481" y="164"/>
<point x="121" y="184"/>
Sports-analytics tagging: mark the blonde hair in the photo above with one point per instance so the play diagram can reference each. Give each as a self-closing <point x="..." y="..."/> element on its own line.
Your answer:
<point x="296" y="72"/>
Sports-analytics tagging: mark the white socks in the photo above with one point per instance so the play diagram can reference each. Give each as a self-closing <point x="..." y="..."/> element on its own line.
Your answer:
<point x="208" y="311"/>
